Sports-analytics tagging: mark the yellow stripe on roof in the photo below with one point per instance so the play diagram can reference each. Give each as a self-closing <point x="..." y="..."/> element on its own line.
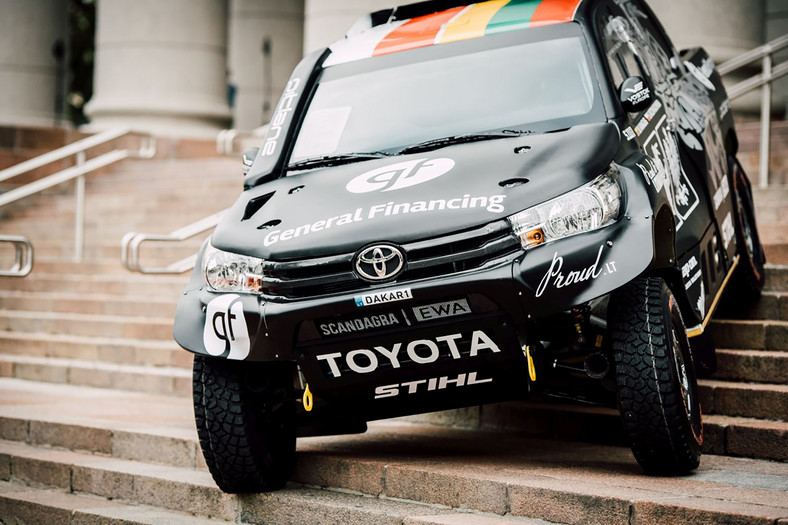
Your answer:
<point x="472" y="22"/>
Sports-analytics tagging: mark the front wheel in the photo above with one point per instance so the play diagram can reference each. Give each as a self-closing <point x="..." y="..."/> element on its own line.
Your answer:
<point x="655" y="376"/>
<point x="245" y="416"/>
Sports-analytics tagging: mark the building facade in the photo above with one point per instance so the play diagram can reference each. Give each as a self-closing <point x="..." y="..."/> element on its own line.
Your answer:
<point x="192" y="67"/>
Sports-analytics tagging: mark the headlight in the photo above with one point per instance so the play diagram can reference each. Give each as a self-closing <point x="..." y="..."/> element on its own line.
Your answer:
<point x="585" y="209"/>
<point x="232" y="272"/>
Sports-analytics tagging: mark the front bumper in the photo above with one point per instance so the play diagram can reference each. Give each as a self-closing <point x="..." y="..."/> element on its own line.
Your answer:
<point x="388" y="351"/>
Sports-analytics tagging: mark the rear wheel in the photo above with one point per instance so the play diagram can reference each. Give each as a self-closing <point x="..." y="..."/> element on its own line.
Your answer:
<point x="245" y="416"/>
<point x="657" y="387"/>
<point x="748" y="280"/>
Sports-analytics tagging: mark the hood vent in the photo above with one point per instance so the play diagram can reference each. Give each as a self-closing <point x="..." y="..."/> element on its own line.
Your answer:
<point x="511" y="183"/>
<point x="254" y="205"/>
<point x="269" y="224"/>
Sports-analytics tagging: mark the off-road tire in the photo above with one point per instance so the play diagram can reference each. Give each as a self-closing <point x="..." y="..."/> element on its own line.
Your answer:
<point x="657" y="388"/>
<point x="748" y="279"/>
<point x="245" y="416"/>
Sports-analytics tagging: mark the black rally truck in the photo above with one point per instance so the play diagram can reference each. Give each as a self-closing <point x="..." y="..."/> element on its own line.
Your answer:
<point x="467" y="203"/>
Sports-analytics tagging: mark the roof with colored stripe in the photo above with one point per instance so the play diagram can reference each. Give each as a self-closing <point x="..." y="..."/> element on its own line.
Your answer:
<point x="459" y="23"/>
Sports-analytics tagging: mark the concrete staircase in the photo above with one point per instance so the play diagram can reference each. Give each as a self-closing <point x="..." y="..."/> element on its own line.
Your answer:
<point x="96" y="424"/>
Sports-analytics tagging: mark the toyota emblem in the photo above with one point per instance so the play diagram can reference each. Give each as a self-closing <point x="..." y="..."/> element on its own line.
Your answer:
<point x="379" y="263"/>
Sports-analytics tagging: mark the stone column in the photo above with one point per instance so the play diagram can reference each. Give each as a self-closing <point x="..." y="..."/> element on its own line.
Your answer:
<point x="161" y="66"/>
<point x="265" y="44"/>
<point x="327" y="21"/>
<point x="725" y="28"/>
<point x="32" y="80"/>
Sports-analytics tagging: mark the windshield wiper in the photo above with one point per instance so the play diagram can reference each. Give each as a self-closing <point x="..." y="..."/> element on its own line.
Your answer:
<point x="335" y="160"/>
<point x="460" y="139"/>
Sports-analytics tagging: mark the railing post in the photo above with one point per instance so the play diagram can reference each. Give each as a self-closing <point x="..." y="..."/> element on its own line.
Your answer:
<point x="79" y="219"/>
<point x="766" y="117"/>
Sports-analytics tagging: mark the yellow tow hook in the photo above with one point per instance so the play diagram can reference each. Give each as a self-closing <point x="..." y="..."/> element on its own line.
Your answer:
<point x="307" y="399"/>
<point x="531" y="366"/>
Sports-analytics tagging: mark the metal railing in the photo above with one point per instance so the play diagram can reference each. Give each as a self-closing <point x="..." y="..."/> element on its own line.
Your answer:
<point x="225" y="139"/>
<point x="131" y="242"/>
<point x="769" y="73"/>
<point x="23" y="246"/>
<point x="23" y="256"/>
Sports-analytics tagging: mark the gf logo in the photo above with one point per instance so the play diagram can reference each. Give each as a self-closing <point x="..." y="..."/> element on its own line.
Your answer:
<point x="225" y="331"/>
<point x="400" y="175"/>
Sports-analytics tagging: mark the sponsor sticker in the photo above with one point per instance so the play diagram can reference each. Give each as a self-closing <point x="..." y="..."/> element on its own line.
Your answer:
<point x="286" y="106"/>
<point x="725" y="108"/>
<point x="420" y="351"/>
<point x="225" y="332"/>
<point x="452" y="204"/>
<point x="727" y="230"/>
<point x="354" y="325"/>
<point x="400" y="175"/>
<point x="722" y="192"/>
<point x="387" y="296"/>
<point x="556" y="278"/>
<point x="430" y="312"/>
<point x="430" y="385"/>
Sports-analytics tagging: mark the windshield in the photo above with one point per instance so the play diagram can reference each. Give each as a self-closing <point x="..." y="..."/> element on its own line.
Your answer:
<point x="529" y="86"/>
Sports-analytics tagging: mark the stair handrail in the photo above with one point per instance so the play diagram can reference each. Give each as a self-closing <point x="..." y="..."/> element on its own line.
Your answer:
<point x="769" y="73"/>
<point x="24" y="248"/>
<point x="131" y="242"/>
<point x="23" y="256"/>
<point x="225" y="139"/>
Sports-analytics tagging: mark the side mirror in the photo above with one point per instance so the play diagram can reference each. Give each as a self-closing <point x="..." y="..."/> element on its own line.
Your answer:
<point x="248" y="159"/>
<point x="635" y="95"/>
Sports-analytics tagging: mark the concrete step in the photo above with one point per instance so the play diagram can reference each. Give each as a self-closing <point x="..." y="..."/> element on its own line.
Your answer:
<point x="776" y="277"/>
<point x="773" y="233"/>
<point x="771" y="306"/>
<point x="756" y="366"/>
<point x="54" y="265"/>
<point x="149" y="379"/>
<point x="161" y="286"/>
<point x="724" y="435"/>
<point x="729" y="398"/>
<point x="129" y="207"/>
<point x="122" y="210"/>
<point x="140" y="352"/>
<point x="750" y="334"/>
<point x="746" y="437"/>
<point x="106" y="304"/>
<point x="154" y="252"/>
<point x="156" y="328"/>
<point x="70" y="416"/>
<point x="156" y="218"/>
<point x="193" y="491"/>
<point x="429" y="471"/>
<point x="776" y="252"/>
<point x="21" y="503"/>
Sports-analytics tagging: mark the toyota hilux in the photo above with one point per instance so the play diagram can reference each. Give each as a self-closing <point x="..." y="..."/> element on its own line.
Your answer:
<point x="461" y="204"/>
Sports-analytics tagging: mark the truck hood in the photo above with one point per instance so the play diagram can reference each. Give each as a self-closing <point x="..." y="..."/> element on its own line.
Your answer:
<point x="406" y="198"/>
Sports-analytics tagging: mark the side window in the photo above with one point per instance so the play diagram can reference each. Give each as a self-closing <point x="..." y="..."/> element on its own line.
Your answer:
<point x="651" y="43"/>
<point x="615" y="32"/>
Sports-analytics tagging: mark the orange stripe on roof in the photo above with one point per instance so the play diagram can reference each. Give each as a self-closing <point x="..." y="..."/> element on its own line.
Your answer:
<point x="473" y="22"/>
<point x="554" y="12"/>
<point x="418" y="32"/>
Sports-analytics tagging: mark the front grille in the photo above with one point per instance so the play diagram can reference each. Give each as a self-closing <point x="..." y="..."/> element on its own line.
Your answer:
<point x="458" y="252"/>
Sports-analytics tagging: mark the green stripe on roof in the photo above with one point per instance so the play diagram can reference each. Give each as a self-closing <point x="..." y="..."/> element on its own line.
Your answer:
<point x="515" y="13"/>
